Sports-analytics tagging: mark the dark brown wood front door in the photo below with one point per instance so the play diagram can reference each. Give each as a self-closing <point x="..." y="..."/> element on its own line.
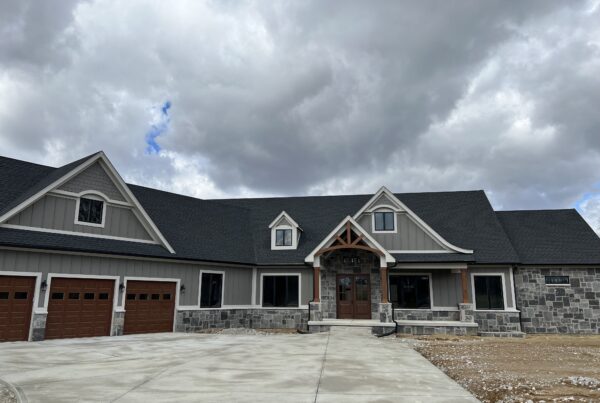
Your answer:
<point x="353" y="296"/>
<point x="16" y="302"/>
<point x="149" y="307"/>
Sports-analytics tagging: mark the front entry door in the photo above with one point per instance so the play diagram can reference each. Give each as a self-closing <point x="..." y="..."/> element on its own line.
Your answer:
<point x="353" y="296"/>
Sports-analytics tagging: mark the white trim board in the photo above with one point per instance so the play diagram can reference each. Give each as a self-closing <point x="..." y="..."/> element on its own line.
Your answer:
<point x="384" y="209"/>
<point x="422" y="224"/>
<point x="93" y="197"/>
<point x="73" y="233"/>
<point x="221" y="272"/>
<point x="36" y="293"/>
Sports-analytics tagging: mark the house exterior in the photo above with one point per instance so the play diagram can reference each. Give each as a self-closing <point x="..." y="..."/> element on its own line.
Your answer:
<point x="82" y="253"/>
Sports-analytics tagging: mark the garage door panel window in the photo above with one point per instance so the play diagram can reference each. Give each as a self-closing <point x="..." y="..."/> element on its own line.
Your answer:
<point x="281" y="291"/>
<point x="3" y="295"/>
<point x="103" y="295"/>
<point x="20" y="295"/>
<point x="488" y="293"/>
<point x="58" y="295"/>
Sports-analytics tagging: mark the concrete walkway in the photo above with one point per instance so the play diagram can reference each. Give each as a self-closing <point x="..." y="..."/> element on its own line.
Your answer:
<point x="347" y="365"/>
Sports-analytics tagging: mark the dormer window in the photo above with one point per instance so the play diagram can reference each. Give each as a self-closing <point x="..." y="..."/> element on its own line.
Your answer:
<point x="90" y="211"/>
<point x="285" y="232"/>
<point x="283" y="237"/>
<point x="384" y="221"/>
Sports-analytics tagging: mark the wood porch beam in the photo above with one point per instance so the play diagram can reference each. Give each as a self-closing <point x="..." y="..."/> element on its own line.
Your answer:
<point x="464" y="286"/>
<point x="339" y="247"/>
<point x="384" y="284"/>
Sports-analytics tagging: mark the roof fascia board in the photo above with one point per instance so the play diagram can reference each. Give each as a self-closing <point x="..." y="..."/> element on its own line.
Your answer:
<point x="361" y="231"/>
<point x="32" y="199"/>
<point x="138" y="209"/>
<point x="287" y="217"/>
<point x="422" y="224"/>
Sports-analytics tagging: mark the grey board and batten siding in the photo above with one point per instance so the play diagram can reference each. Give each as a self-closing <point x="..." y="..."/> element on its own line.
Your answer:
<point x="306" y="281"/>
<point x="93" y="178"/>
<point x="58" y="213"/>
<point x="238" y="280"/>
<point x="408" y="235"/>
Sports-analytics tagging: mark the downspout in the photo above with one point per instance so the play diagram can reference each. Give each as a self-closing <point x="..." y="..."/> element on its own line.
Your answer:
<point x="513" y="268"/>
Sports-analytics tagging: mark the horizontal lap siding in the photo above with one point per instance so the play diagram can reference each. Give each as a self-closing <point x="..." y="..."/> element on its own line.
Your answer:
<point x="237" y="284"/>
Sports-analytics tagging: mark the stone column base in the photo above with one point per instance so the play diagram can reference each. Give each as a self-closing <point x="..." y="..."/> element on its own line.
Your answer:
<point x="38" y="324"/>
<point x="467" y="312"/>
<point x="316" y="313"/>
<point x="386" y="313"/>
<point x="118" y="322"/>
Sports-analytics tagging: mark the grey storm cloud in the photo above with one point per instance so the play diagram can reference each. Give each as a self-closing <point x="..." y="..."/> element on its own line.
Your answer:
<point x="313" y="97"/>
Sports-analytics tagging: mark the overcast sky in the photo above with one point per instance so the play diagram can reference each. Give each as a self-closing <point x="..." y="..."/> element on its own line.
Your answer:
<point x="231" y="98"/>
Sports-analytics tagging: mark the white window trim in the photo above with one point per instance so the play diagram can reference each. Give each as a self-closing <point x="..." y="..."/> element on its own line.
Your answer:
<point x="431" y="307"/>
<point x="92" y="196"/>
<point x="495" y="274"/>
<point x="222" y="272"/>
<point x="157" y="279"/>
<point x="381" y="209"/>
<point x="85" y="276"/>
<point x="36" y="294"/>
<point x="299" y="275"/>
<point x="274" y="245"/>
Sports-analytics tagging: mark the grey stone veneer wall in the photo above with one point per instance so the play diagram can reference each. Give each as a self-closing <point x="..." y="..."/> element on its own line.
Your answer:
<point x="425" y="314"/>
<point x="193" y="321"/>
<point x="38" y="324"/>
<point x="118" y="323"/>
<point x="369" y="263"/>
<point x="458" y="330"/>
<point x="558" y="309"/>
<point x="498" y="321"/>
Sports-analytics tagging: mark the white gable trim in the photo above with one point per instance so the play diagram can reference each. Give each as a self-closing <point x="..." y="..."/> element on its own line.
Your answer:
<point x="285" y="215"/>
<point x="359" y="230"/>
<point x="413" y="216"/>
<point x="121" y="185"/>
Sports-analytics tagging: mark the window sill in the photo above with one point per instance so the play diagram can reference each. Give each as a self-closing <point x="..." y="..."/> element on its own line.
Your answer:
<point x="497" y="310"/>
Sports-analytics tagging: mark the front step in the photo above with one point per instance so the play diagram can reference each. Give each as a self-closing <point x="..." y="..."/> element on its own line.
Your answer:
<point x="377" y="327"/>
<point x="431" y="327"/>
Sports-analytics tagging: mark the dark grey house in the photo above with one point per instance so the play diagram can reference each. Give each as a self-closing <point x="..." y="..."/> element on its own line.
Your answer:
<point x="82" y="253"/>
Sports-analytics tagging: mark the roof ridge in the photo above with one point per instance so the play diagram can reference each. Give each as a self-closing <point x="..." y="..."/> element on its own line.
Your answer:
<point x="535" y="210"/>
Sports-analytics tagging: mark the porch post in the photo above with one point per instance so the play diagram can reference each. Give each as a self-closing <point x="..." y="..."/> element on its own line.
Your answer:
<point x="316" y="283"/>
<point x="464" y="285"/>
<point x="383" y="271"/>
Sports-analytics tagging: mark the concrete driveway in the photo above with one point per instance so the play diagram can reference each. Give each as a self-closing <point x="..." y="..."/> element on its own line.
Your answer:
<point x="346" y="365"/>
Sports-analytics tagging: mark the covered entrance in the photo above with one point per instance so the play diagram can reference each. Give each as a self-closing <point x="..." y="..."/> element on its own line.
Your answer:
<point x="353" y="296"/>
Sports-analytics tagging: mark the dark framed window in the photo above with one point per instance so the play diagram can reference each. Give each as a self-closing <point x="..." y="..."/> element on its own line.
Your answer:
<point x="384" y="221"/>
<point x="143" y="297"/>
<point x="58" y="295"/>
<point x="155" y="296"/>
<point x="90" y="211"/>
<point x="88" y="295"/>
<point x="211" y="293"/>
<point x="410" y="292"/>
<point x="280" y="291"/>
<point x="20" y="295"/>
<point x="166" y="297"/>
<point x="283" y="237"/>
<point x="4" y="295"/>
<point x="557" y="280"/>
<point x="489" y="293"/>
<point x="130" y="296"/>
<point x="73" y="295"/>
<point x="104" y="295"/>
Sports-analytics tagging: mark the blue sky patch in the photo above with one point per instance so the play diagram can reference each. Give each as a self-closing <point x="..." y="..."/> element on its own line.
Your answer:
<point x="158" y="128"/>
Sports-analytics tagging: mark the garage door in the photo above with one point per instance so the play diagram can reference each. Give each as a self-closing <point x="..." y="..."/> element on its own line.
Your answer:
<point x="79" y="308"/>
<point x="16" y="301"/>
<point x="149" y="307"/>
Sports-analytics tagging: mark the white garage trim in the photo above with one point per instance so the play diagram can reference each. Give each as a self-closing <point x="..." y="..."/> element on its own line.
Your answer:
<point x="163" y="280"/>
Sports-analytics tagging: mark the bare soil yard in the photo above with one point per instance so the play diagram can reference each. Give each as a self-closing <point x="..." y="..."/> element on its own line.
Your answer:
<point x="537" y="368"/>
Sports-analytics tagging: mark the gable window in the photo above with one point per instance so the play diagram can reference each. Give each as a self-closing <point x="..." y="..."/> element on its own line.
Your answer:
<point x="90" y="211"/>
<point x="410" y="291"/>
<point x="211" y="290"/>
<point x="280" y="291"/>
<point x="283" y="237"/>
<point x="384" y="221"/>
<point x="488" y="292"/>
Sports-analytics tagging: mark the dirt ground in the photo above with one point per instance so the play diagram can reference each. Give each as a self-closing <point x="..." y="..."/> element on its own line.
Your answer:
<point x="538" y="368"/>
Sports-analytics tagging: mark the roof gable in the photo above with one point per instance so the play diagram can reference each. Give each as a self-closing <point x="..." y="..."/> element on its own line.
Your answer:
<point x="94" y="177"/>
<point x="64" y="175"/>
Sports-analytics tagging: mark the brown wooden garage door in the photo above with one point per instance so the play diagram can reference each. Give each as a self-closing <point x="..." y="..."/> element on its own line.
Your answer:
<point x="79" y="308"/>
<point x="16" y="302"/>
<point x="149" y="307"/>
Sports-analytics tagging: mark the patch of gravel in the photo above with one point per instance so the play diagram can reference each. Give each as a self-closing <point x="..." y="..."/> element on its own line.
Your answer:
<point x="7" y="395"/>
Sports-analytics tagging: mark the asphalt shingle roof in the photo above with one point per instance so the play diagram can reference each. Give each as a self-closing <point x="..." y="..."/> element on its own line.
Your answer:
<point x="551" y="236"/>
<point x="236" y="230"/>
